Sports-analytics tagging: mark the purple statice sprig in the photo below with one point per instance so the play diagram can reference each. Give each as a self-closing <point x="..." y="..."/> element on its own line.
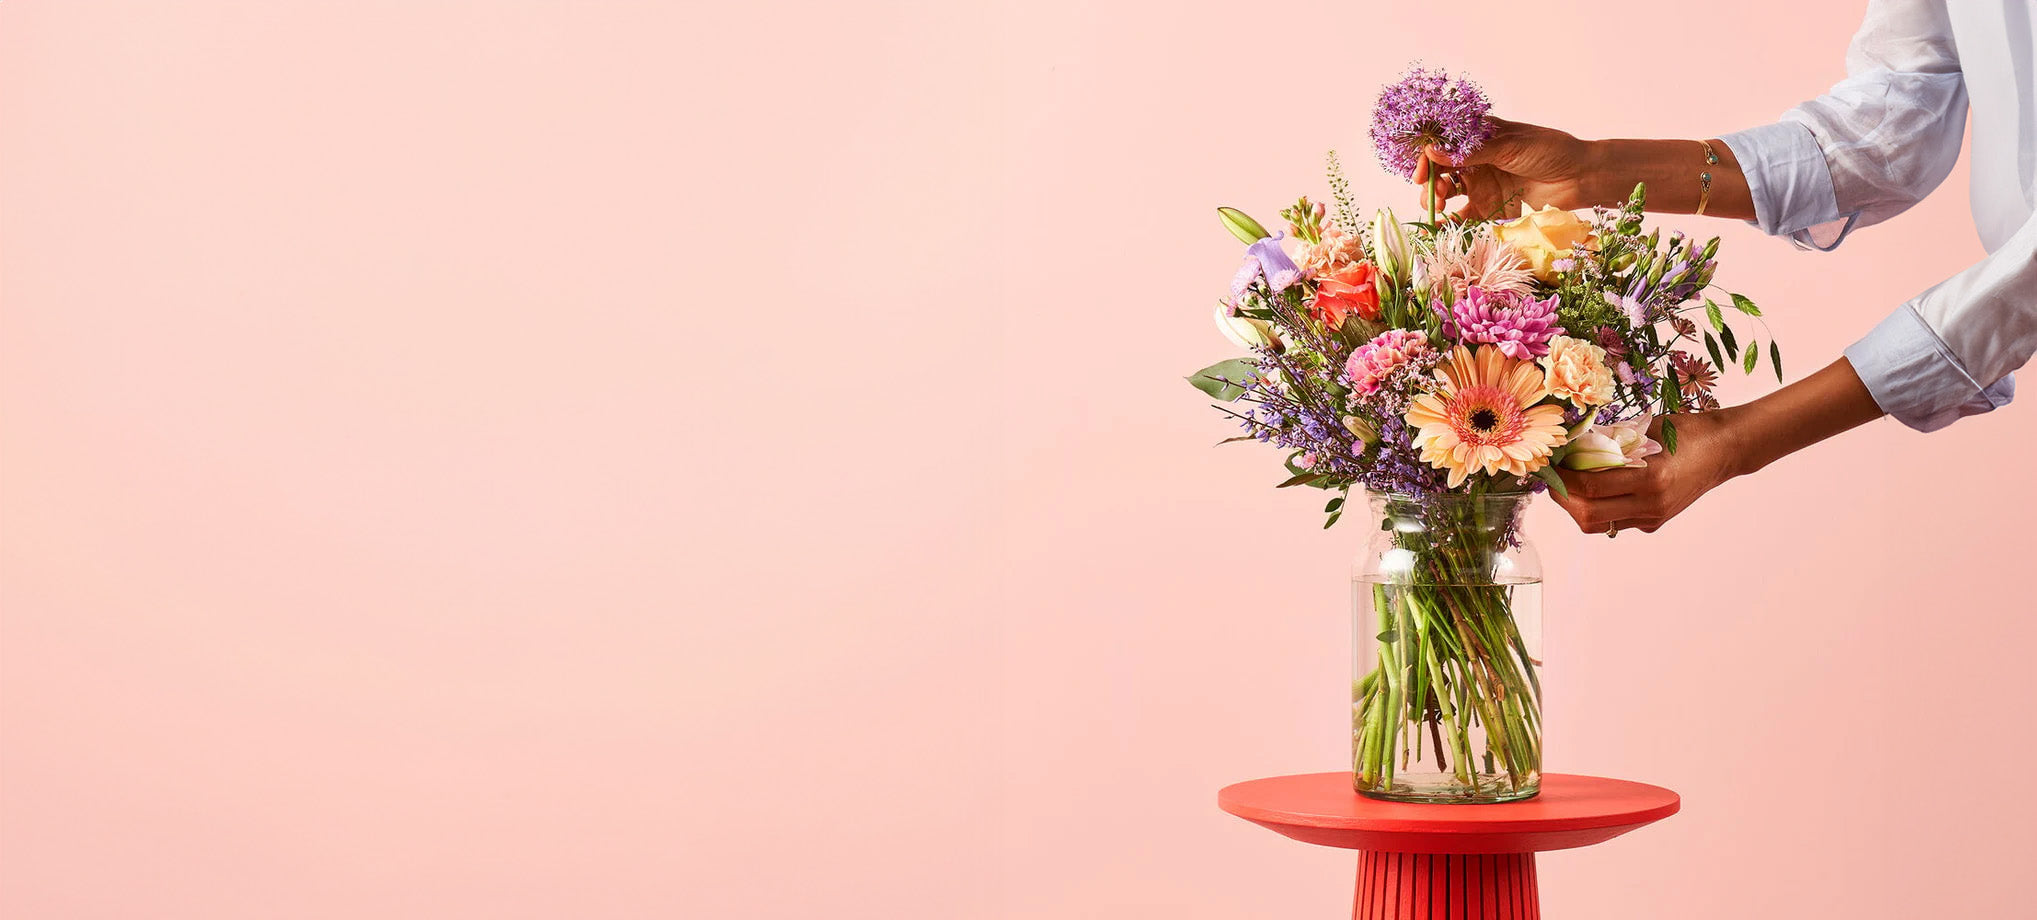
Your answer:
<point x="1425" y="108"/>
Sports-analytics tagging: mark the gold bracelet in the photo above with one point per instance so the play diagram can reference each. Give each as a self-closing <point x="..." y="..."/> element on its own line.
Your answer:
<point x="1705" y="178"/>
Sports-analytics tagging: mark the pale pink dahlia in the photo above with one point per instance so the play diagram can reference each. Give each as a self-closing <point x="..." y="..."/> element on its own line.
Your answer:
<point x="1518" y="323"/>
<point x="1374" y="363"/>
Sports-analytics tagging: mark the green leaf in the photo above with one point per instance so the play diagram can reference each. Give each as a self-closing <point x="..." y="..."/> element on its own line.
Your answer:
<point x="1672" y="397"/>
<point x="1712" y="313"/>
<point x="1334" y="504"/>
<point x="1741" y="303"/>
<point x="1390" y="636"/>
<point x="1732" y="344"/>
<point x="1753" y="357"/>
<point x="1334" y="515"/>
<point x="1299" y="479"/>
<point x="1548" y="474"/>
<point x="1242" y="225"/>
<point x="1775" y="359"/>
<point x="1233" y="374"/>
<point x="1669" y="435"/>
<point x="1242" y="437"/>
<point x="1712" y="346"/>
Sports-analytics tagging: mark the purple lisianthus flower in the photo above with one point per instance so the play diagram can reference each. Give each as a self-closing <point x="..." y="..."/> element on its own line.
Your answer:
<point x="1280" y="270"/>
<point x="1428" y="108"/>
<point x="1519" y="324"/>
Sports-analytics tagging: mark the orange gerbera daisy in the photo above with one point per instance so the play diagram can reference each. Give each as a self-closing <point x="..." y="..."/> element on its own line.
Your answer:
<point x="1482" y="416"/>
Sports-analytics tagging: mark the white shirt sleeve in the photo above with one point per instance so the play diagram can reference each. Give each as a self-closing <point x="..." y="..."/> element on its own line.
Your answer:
<point x="1876" y="144"/>
<point x="1949" y="352"/>
<point x="1884" y="137"/>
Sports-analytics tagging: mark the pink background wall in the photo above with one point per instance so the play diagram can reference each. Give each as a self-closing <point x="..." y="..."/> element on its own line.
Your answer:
<point x="612" y="460"/>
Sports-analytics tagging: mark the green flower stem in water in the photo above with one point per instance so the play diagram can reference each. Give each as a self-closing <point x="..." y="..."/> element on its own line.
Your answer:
<point x="1450" y="662"/>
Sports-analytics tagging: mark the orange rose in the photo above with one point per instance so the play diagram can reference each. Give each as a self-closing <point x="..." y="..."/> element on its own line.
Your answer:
<point x="1346" y="291"/>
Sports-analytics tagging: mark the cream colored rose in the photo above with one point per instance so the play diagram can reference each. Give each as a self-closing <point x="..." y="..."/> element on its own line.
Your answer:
<point x="1544" y="236"/>
<point x="1577" y="371"/>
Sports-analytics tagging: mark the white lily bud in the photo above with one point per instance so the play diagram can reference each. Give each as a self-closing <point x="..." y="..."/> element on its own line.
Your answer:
<point x="1361" y="429"/>
<point x="1245" y="332"/>
<point x="1389" y="243"/>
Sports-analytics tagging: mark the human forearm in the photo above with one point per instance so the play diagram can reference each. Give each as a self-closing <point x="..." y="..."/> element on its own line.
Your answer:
<point x="1817" y="407"/>
<point x="1717" y="446"/>
<point x="1671" y="169"/>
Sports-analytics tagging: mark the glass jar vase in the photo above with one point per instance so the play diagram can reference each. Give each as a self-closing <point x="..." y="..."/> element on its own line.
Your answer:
<point x="1446" y="704"/>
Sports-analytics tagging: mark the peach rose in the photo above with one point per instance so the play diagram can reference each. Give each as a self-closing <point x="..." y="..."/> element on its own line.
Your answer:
<point x="1544" y="236"/>
<point x="1577" y="371"/>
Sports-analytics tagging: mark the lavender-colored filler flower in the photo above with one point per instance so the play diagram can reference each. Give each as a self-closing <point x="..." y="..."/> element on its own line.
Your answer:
<point x="1425" y="107"/>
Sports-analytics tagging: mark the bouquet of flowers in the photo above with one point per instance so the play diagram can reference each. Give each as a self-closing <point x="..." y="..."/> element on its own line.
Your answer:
<point x="1450" y="368"/>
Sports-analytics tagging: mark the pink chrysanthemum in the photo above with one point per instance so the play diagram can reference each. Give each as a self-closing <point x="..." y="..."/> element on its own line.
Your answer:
<point x="1519" y="324"/>
<point x="1373" y="364"/>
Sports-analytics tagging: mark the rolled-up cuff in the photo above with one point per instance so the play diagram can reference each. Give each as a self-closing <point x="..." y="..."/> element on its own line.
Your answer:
<point x="1791" y="184"/>
<point x="1915" y="378"/>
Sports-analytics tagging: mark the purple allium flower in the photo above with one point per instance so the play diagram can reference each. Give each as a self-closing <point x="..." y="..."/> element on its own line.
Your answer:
<point x="1519" y="324"/>
<point x="1426" y="108"/>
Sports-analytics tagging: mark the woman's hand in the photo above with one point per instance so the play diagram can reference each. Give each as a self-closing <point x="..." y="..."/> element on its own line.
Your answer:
<point x="1715" y="446"/>
<point x="1519" y="162"/>
<point x="1642" y="498"/>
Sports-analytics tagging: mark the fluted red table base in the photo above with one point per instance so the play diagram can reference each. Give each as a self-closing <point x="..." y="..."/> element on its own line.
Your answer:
<point x="1438" y="886"/>
<point x="1448" y="862"/>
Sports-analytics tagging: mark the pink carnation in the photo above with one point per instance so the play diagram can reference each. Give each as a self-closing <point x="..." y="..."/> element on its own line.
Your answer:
<point x="1372" y="363"/>
<point x="1519" y="324"/>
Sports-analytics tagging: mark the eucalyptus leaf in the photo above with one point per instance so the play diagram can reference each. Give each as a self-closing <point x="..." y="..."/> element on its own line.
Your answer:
<point x="1548" y="474"/>
<point x="1224" y="380"/>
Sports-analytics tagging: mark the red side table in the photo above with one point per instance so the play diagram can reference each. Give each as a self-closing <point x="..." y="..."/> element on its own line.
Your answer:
<point x="1448" y="862"/>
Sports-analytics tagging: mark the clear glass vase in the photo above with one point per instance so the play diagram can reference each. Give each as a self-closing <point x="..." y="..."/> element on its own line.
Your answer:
<point x="1446" y="704"/>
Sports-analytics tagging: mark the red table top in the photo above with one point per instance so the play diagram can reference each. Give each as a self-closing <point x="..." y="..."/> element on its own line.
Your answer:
<point x="1571" y="811"/>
